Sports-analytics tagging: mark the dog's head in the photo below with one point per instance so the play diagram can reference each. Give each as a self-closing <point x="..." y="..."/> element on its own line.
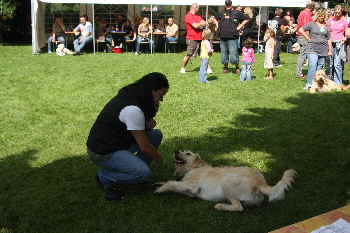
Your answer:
<point x="320" y="78"/>
<point x="186" y="161"/>
<point x="296" y="47"/>
<point x="60" y="47"/>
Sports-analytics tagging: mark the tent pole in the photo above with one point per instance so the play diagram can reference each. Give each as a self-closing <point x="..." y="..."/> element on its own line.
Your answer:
<point x="206" y="13"/>
<point x="93" y="28"/>
<point x="259" y="29"/>
<point x="151" y="39"/>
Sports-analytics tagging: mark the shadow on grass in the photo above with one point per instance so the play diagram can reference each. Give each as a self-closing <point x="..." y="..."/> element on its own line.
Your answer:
<point x="312" y="137"/>
<point x="212" y="78"/>
<point x="30" y="194"/>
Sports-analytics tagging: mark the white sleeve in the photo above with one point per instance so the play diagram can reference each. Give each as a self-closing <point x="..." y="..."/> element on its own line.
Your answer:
<point x="133" y="117"/>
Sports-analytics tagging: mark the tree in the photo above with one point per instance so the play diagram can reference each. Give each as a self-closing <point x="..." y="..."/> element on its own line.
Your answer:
<point x="7" y="8"/>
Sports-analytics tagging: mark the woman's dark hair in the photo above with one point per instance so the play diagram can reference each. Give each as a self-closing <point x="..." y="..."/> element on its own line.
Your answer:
<point x="142" y="91"/>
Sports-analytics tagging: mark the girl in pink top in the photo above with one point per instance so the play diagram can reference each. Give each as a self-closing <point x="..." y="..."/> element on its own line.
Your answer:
<point x="337" y="26"/>
<point x="247" y="60"/>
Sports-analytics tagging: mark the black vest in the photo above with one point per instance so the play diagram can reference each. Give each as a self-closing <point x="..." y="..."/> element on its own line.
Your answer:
<point x="108" y="134"/>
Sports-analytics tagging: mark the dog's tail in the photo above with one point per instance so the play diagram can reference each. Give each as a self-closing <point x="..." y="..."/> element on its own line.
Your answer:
<point x="276" y="192"/>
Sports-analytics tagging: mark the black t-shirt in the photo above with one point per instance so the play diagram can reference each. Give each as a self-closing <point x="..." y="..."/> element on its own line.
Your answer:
<point x="228" y="23"/>
<point x="276" y="24"/>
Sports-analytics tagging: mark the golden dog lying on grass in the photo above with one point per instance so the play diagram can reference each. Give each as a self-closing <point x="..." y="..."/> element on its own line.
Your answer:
<point x="322" y="83"/>
<point x="233" y="184"/>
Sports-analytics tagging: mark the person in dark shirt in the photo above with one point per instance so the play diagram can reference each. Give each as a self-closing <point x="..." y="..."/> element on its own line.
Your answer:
<point x="123" y="142"/>
<point x="231" y="22"/>
<point x="279" y="25"/>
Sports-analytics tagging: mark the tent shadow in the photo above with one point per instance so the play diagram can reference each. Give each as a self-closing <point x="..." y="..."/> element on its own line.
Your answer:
<point x="310" y="136"/>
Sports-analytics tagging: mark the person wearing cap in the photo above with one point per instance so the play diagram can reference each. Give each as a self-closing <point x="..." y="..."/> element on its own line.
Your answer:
<point x="231" y="22"/>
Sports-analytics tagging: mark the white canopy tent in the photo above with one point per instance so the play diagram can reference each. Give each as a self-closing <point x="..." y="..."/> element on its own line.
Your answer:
<point x="37" y="9"/>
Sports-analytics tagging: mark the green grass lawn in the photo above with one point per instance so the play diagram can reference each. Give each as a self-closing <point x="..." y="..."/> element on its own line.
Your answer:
<point x="48" y="104"/>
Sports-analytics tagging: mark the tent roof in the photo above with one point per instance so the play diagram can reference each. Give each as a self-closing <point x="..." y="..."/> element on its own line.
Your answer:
<point x="280" y="3"/>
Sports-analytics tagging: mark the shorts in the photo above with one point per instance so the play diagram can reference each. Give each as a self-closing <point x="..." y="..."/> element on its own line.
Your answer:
<point x="192" y="47"/>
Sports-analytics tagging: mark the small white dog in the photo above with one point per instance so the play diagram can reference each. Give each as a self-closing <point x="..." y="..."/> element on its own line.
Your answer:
<point x="61" y="50"/>
<point x="233" y="184"/>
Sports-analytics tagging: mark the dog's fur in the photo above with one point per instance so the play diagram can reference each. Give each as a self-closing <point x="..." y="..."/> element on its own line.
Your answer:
<point x="62" y="51"/>
<point x="322" y="83"/>
<point x="233" y="184"/>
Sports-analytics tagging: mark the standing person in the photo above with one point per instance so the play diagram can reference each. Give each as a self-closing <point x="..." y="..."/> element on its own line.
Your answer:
<point x="206" y="52"/>
<point x="231" y="22"/>
<point x="270" y="44"/>
<point x="337" y="26"/>
<point x="248" y="31"/>
<point x="291" y="28"/>
<point x="247" y="60"/>
<point x="57" y="35"/>
<point x="84" y="31"/>
<point x="194" y="27"/>
<point x="304" y="18"/>
<point x="318" y="44"/>
<point x="279" y="25"/>
<point x="124" y="127"/>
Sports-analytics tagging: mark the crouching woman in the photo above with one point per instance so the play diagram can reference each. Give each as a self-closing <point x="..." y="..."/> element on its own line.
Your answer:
<point x="122" y="141"/>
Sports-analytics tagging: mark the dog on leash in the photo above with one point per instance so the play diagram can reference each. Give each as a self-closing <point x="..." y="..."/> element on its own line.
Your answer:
<point x="322" y="83"/>
<point x="235" y="185"/>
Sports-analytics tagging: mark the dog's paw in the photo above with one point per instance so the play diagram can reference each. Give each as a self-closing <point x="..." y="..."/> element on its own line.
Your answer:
<point x="227" y="207"/>
<point x="160" y="189"/>
<point x="159" y="183"/>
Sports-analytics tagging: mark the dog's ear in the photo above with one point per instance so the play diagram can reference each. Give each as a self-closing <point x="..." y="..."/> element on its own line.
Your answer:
<point x="320" y="82"/>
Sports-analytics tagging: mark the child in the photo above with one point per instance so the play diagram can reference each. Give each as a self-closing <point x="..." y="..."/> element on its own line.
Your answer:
<point x="270" y="44"/>
<point x="247" y="60"/>
<point x="213" y="27"/>
<point x="206" y="51"/>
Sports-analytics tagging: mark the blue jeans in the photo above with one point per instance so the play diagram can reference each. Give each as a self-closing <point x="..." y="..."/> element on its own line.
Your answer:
<point x="337" y="65"/>
<point x="124" y="167"/>
<point x="246" y="71"/>
<point x="316" y="62"/>
<point x="229" y="51"/>
<point x="276" y="55"/>
<point x="171" y="39"/>
<point x="203" y="70"/>
<point x="49" y="42"/>
<point x="140" y="39"/>
<point x="79" y="45"/>
<point x="301" y="57"/>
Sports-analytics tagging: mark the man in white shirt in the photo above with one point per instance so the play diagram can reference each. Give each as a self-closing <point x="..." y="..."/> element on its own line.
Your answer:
<point x="84" y="33"/>
<point x="171" y="31"/>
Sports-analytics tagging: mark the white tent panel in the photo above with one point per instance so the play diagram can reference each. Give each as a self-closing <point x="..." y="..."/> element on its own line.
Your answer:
<point x="281" y="3"/>
<point x="37" y="31"/>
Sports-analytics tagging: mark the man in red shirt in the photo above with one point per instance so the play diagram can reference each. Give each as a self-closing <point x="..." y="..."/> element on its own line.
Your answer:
<point x="304" y="18"/>
<point x="194" y="27"/>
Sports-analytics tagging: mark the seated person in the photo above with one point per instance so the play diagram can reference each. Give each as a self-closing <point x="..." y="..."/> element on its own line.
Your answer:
<point x="130" y="32"/>
<point x="58" y="30"/>
<point x="100" y="28"/>
<point x="144" y="34"/>
<point x="101" y="32"/>
<point x="84" y="33"/>
<point x="171" y="31"/>
<point x="161" y="26"/>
